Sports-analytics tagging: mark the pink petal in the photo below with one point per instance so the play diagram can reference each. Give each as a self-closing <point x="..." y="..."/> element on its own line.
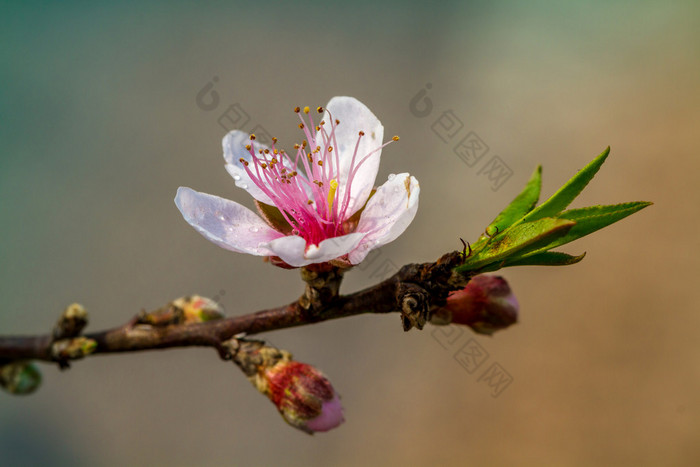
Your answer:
<point x="387" y="215"/>
<point x="354" y="117"/>
<point x="234" y="149"/>
<point x="293" y="250"/>
<point x="225" y="223"/>
<point x="331" y="416"/>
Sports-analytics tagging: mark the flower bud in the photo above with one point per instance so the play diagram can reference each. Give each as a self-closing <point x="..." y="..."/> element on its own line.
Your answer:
<point x="302" y="394"/>
<point x="486" y="304"/>
<point x="198" y="309"/>
<point x="184" y="310"/>
<point x="72" y="349"/>
<point x="71" y="322"/>
<point x="20" y="378"/>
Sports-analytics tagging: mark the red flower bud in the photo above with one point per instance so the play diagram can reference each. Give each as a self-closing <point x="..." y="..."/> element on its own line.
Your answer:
<point x="304" y="397"/>
<point x="486" y="304"/>
<point x="302" y="394"/>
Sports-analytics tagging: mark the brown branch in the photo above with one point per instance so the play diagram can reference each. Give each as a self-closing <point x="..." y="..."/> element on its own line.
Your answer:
<point x="414" y="289"/>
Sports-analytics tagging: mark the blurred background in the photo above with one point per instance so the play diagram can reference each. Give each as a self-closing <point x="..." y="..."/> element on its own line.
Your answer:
<point x="100" y="122"/>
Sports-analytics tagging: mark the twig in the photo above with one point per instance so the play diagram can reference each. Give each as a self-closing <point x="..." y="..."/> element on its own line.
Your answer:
<point x="319" y="303"/>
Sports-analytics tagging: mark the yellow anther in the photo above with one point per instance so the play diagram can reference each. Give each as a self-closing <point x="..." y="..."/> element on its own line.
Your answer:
<point x="395" y="138"/>
<point x="319" y="109"/>
<point x="306" y="109"/>
<point x="252" y="136"/>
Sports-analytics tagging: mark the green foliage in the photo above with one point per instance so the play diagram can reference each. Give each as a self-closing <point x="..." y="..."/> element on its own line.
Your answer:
<point x="523" y="234"/>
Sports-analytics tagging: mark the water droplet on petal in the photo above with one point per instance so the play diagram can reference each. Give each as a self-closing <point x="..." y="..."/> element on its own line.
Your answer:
<point x="254" y="229"/>
<point x="392" y="176"/>
<point x="244" y="186"/>
<point x="236" y="177"/>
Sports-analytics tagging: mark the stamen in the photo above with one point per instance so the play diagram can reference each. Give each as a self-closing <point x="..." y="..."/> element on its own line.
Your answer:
<point x="307" y="198"/>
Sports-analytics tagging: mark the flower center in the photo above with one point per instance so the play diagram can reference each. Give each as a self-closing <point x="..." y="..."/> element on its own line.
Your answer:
<point x="306" y="188"/>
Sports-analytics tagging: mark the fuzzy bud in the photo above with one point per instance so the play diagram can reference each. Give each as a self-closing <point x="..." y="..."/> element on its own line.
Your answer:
<point x="71" y="322"/>
<point x="486" y="304"/>
<point x="20" y="378"/>
<point x="302" y="394"/>
<point x="72" y="349"/>
<point x="184" y="310"/>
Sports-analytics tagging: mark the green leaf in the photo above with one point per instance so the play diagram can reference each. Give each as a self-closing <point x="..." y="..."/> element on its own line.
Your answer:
<point x="593" y="218"/>
<point x="517" y="238"/>
<point x="571" y="189"/>
<point x="547" y="258"/>
<point x="521" y="205"/>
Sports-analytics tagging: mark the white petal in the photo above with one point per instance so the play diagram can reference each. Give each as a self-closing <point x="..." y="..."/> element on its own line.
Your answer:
<point x="225" y="223"/>
<point x="354" y="117"/>
<point x="292" y="249"/>
<point x="234" y="144"/>
<point x="387" y="215"/>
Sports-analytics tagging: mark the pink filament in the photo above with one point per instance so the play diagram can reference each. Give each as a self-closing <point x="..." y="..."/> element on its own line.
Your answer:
<point x="302" y="197"/>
